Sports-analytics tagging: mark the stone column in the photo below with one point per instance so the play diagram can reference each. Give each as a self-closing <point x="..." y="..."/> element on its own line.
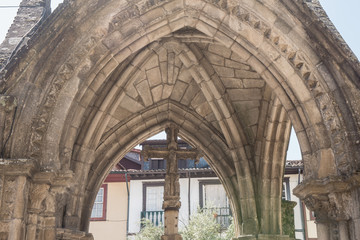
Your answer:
<point x="171" y="204"/>
<point x="334" y="204"/>
<point x="354" y="229"/>
<point x="37" y="195"/>
<point x="41" y="217"/>
<point x="46" y="205"/>
<point x="15" y="185"/>
<point x="323" y="229"/>
<point x="343" y="230"/>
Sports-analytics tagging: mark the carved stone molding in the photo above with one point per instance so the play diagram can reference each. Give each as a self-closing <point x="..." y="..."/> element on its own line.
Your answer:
<point x="327" y="185"/>
<point x="326" y="209"/>
<point x="17" y="167"/>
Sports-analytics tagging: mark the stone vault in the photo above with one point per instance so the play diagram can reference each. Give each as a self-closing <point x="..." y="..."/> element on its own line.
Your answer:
<point x="93" y="80"/>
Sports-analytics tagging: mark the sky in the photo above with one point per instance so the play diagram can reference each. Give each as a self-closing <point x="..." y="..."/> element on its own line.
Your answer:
<point x="343" y="13"/>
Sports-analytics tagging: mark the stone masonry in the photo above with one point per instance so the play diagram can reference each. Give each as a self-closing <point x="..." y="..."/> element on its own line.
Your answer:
<point x="30" y="15"/>
<point x="92" y="80"/>
<point x="171" y="204"/>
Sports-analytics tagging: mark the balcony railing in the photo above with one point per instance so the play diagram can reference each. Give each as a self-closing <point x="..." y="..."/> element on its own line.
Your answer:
<point x="222" y="215"/>
<point x="156" y="217"/>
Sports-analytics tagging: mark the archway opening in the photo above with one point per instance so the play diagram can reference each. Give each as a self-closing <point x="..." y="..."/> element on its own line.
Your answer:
<point x="146" y="191"/>
<point x="232" y="78"/>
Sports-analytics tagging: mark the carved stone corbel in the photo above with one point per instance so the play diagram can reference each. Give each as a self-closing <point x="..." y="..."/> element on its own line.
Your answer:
<point x="328" y="208"/>
<point x="331" y="200"/>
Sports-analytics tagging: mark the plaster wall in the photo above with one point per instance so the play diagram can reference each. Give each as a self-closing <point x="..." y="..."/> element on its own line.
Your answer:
<point x="136" y="201"/>
<point x="311" y="226"/>
<point x="114" y="227"/>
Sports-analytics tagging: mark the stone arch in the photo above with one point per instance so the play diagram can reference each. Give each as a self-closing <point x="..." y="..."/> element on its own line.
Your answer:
<point x="215" y="151"/>
<point x="318" y="95"/>
<point x="259" y="29"/>
<point x="85" y="154"/>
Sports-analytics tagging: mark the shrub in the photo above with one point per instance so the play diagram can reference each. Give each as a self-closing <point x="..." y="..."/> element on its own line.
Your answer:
<point x="229" y="232"/>
<point x="202" y="226"/>
<point x="149" y="231"/>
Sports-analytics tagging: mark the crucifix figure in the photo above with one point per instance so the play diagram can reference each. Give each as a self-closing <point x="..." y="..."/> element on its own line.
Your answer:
<point x="171" y="204"/>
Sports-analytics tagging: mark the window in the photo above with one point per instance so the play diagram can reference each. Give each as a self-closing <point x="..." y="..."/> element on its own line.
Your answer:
<point x="312" y="215"/>
<point x="182" y="163"/>
<point x="153" y="195"/>
<point x="157" y="163"/>
<point x="286" y="190"/>
<point x="99" y="208"/>
<point x="213" y="196"/>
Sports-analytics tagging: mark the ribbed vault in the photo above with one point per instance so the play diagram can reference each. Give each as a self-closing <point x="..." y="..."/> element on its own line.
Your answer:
<point x="101" y="77"/>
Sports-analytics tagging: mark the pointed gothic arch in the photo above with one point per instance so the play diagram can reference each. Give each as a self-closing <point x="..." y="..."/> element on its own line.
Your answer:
<point x="86" y="63"/>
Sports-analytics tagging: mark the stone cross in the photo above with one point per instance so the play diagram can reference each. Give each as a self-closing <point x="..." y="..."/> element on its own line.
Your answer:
<point x="171" y="203"/>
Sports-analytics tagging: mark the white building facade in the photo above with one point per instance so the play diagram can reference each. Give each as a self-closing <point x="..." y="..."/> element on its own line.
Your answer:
<point x="201" y="189"/>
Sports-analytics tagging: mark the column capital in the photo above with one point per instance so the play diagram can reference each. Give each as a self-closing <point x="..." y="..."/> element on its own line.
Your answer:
<point x="330" y="198"/>
<point x="327" y="186"/>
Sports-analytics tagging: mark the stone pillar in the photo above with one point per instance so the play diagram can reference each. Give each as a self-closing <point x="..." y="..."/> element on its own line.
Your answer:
<point x="354" y="229"/>
<point x="336" y="206"/>
<point x="41" y="221"/>
<point x="46" y="204"/>
<point x="15" y="185"/>
<point x="323" y="229"/>
<point x="171" y="204"/>
<point x="343" y="230"/>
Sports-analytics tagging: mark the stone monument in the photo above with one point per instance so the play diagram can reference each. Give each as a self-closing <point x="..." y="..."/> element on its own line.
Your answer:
<point x="172" y="154"/>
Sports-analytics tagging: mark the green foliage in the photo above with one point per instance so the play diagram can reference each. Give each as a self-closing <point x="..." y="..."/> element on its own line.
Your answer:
<point x="287" y="217"/>
<point x="149" y="231"/>
<point x="230" y="231"/>
<point x="203" y="226"/>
